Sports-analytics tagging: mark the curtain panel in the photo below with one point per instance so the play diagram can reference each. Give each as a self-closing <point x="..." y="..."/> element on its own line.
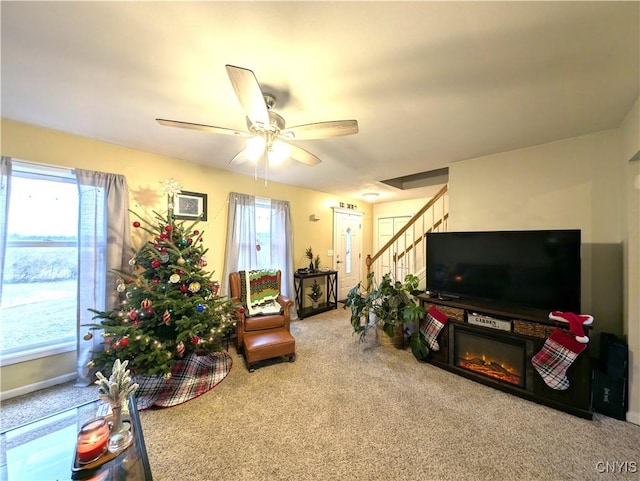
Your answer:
<point x="104" y="245"/>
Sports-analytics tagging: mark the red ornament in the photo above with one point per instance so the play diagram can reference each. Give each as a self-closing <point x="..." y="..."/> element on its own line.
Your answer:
<point x="166" y="317"/>
<point x="133" y="314"/>
<point x="184" y="288"/>
<point x="155" y="263"/>
<point x="195" y="340"/>
<point x="189" y="241"/>
<point x="145" y="304"/>
<point x="180" y="348"/>
<point x="135" y="323"/>
<point x="156" y="281"/>
<point x="196" y="232"/>
<point x="124" y="342"/>
<point x="168" y="228"/>
<point x="136" y="224"/>
<point x="164" y="236"/>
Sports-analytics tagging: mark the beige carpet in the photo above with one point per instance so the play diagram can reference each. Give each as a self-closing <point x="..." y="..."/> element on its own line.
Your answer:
<point x="350" y="411"/>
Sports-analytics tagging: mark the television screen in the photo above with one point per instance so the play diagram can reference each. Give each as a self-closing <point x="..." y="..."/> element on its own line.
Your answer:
<point x="537" y="269"/>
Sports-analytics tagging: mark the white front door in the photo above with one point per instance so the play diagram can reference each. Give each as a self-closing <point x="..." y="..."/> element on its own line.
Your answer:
<point x="347" y="249"/>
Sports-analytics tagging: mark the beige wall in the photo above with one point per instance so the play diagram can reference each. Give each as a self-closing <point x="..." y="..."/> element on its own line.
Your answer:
<point x="574" y="183"/>
<point x="631" y="150"/>
<point x="144" y="173"/>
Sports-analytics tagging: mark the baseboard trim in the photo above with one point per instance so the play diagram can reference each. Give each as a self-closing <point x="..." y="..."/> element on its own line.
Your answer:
<point x="19" y="391"/>
<point x="633" y="417"/>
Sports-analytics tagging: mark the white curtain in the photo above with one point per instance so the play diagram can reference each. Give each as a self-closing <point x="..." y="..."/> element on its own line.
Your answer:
<point x="104" y="244"/>
<point x="282" y="245"/>
<point x="241" y="237"/>
<point x="240" y="250"/>
<point x="5" y="189"/>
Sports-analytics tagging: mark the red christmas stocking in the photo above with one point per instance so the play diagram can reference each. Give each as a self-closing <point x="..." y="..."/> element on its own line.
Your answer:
<point x="575" y="321"/>
<point x="431" y="326"/>
<point x="560" y="350"/>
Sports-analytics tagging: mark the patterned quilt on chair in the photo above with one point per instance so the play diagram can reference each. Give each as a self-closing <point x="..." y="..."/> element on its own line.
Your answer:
<point x="190" y="377"/>
<point x="259" y="291"/>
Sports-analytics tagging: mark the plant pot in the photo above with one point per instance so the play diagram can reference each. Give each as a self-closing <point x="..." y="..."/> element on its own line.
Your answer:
<point x="396" y="341"/>
<point x="315" y="304"/>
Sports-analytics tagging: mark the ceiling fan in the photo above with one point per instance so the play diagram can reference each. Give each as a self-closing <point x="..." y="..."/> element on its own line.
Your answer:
<point x="267" y="135"/>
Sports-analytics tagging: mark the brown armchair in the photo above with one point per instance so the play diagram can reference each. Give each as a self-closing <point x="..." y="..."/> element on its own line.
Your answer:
<point x="265" y="336"/>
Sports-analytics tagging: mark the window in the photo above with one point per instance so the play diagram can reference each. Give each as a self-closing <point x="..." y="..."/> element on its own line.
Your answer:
<point x="263" y="233"/>
<point x="39" y="292"/>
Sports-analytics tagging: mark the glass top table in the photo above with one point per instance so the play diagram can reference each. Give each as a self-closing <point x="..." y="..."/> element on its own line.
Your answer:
<point x="44" y="449"/>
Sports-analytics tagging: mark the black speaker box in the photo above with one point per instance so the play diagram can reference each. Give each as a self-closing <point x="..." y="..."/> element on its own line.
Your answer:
<point x="609" y="394"/>
<point x="614" y="355"/>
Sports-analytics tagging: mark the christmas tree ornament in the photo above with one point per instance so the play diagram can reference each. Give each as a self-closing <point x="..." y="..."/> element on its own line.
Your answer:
<point x="558" y="353"/>
<point x="194" y="287"/>
<point x="155" y="263"/>
<point x="174" y="278"/>
<point x="183" y="242"/>
<point x="146" y="304"/>
<point x="180" y="348"/>
<point x="166" y="317"/>
<point x="200" y="307"/>
<point x="184" y="288"/>
<point x="121" y="288"/>
<point x="180" y="261"/>
<point x="132" y="261"/>
<point x="168" y="228"/>
<point x="431" y="326"/>
<point x="88" y="336"/>
<point x="133" y="314"/>
<point x="195" y="340"/>
<point x="136" y="224"/>
<point x="164" y="257"/>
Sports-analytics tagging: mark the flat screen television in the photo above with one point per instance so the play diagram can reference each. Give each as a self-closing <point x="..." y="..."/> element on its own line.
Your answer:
<point x="536" y="269"/>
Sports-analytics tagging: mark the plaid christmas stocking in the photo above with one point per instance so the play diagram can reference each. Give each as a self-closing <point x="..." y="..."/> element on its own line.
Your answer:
<point x="560" y="350"/>
<point x="431" y="326"/>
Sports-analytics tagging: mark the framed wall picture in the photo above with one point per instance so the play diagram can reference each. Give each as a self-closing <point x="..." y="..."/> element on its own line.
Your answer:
<point x="190" y="206"/>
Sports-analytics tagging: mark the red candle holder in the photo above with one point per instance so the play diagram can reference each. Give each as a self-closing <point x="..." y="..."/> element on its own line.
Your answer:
<point x="92" y="440"/>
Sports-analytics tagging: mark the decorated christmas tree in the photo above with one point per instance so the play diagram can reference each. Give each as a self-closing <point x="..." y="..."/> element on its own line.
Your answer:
<point x="170" y="305"/>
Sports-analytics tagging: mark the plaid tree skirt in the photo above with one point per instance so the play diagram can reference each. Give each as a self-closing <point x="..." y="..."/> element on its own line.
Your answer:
<point x="190" y="377"/>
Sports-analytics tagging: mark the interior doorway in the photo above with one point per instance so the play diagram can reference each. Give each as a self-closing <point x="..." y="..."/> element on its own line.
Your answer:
<point x="347" y="249"/>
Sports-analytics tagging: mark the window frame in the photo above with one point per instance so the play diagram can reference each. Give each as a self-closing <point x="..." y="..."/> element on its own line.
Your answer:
<point x="35" y="171"/>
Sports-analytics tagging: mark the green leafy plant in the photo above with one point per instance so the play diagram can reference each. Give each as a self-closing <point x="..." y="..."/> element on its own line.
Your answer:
<point x="390" y="303"/>
<point x="316" y="292"/>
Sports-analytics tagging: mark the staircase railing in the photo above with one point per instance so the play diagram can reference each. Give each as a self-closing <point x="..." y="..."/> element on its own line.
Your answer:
<point x="402" y="254"/>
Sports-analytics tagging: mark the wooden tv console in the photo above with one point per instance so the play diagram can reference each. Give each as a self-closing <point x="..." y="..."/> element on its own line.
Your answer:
<point x="523" y="327"/>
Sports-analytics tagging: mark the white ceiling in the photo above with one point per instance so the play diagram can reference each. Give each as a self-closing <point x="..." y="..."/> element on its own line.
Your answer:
<point x="430" y="83"/>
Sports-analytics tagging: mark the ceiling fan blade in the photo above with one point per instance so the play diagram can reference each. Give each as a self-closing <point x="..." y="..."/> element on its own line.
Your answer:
<point x="321" y="130"/>
<point x="303" y="156"/>
<point x="240" y="158"/>
<point x="248" y="91"/>
<point x="206" y="128"/>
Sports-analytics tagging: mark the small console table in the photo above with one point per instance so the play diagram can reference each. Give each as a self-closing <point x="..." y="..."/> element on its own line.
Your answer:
<point x="330" y="290"/>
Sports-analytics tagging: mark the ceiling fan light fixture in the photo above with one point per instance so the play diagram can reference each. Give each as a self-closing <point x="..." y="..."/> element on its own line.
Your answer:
<point x="278" y="152"/>
<point x="255" y="147"/>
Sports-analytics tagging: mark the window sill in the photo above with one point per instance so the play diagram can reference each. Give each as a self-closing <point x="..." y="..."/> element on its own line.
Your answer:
<point x="37" y="353"/>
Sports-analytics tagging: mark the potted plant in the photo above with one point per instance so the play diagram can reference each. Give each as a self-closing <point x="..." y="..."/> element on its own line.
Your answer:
<point x="391" y="306"/>
<point x="315" y="294"/>
<point x="308" y="253"/>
